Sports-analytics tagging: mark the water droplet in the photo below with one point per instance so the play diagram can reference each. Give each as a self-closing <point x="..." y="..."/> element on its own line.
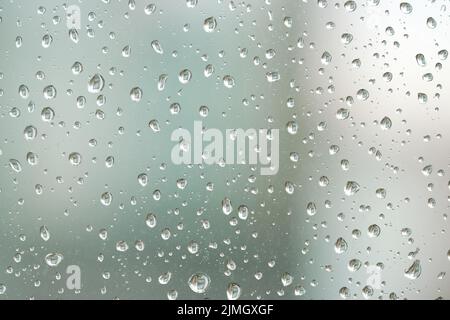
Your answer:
<point x="175" y="108"/>
<point x="243" y="212"/>
<point x="340" y="246"/>
<point x="47" y="114"/>
<point x="233" y="291"/>
<point x="227" y="208"/>
<point x="143" y="179"/>
<point x="367" y="292"/>
<point x="209" y="70"/>
<point x="386" y="123"/>
<point x="422" y="98"/>
<point x="53" y="259"/>
<point x="322" y="3"/>
<point x="77" y="68"/>
<point x="342" y="114"/>
<point x="193" y="247"/>
<point x="149" y="9"/>
<point x="381" y="193"/>
<point x="185" y="76"/>
<point x="210" y="24"/>
<point x="286" y="279"/>
<point x="106" y="198"/>
<point x="362" y="94"/>
<point x="292" y="127"/>
<point x="32" y="158"/>
<point x="136" y="94"/>
<point x="156" y="45"/>
<point x="443" y="54"/>
<point x="273" y="76"/>
<point x="191" y="3"/>
<point x="126" y="52"/>
<point x="406" y="8"/>
<point x="15" y="165"/>
<point x="311" y="209"/>
<point x="47" y="40"/>
<point x="73" y="35"/>
<point x="96" y="84"/>
<point x="150" y="220"/>
<point x="350" y="6"/>
<point x="374" y="231"/>
<point x="165" y="278"/>
<point x="387" y="76"/>
<point x="326" y="58"/>
<point x="109" y="161"/>
<point x="19" y="41"/>
<point x="351" y="188"/>
<point x="49" y="92"/>
<point x="45" y="234"/>
<point x="30" y="133"/>
<point x="199" y="282"/>
<point x="154" y="125"/>
<point x="414" y="271"/>
<point x="162" y="82"/>
<point x="346" y="38"/>
<point x="344" y="292"/>
<point x="24" y="92"/>
<point x="139" y="245"/>
<point x="427" y="77"/>
<point x="354" y="265"/>
<point x="122" y="246"/>
<point x="181" y="183"/>
<point x="431" y="23"/>
<point x="420" y="59"/>
<point x="75" y="158"/>
<point x="14" y="112"/>
<point x="299" y="291"/>
<point x="228" y="81"/>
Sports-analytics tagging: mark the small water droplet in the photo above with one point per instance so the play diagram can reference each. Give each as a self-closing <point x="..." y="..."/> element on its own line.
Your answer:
<point x="45" y="234"/>
<point x="53" y="259"/>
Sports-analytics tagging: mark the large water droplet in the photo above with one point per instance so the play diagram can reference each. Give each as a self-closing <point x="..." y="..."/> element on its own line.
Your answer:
<point x="340" y="246"/>
<point x="210" y="24"/>
<point x="96" y="83"/>
<point x="136" y="94"/>
<point x="406" y="8"/>
<point x="227" y="208"/>
<point x="185" y="76"/>
<point x="351" y="188"/>
<point x="414" y="271"/>
<point x="233" y="291"/>
<point x="30" y="133"/>
<point x="75" y="158"/>
<point x="199" y="282"/>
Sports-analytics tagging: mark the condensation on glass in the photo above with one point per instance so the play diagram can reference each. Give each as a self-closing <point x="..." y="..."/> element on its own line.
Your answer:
<point x="97" y="202"/>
